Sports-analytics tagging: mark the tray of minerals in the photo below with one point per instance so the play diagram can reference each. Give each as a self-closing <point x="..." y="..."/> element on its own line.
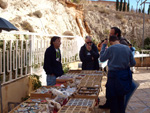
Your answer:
<point x="91" y="78"/>
<point x="38" y="100"/>
<point x="46" y="105"/>
<point x="90" y="81"/>
<point x="44" y="91"/>
<point x="73" y="75"/>
<point x="64" y="78"/>
<point x="91" y="72"/>
<point x="84" y="102"/>
<point x="85" y="72"/>
<point x="31" y="108"/>
<point x="87" y="92"/>
<point x="74" y="71"/>
<point x="74" y="109"/>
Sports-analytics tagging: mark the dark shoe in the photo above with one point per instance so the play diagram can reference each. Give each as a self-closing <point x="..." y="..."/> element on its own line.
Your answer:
<point x="132" y="72"/>
<point x="105" y="106"/>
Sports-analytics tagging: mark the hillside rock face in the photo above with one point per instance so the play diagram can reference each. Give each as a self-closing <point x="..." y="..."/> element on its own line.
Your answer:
<point x="45" y="16"/>
<point x="59" y="17"/>
<point x="100" y="21"/>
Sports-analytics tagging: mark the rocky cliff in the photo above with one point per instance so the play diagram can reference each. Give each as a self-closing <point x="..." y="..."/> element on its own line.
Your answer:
<point x="63" y="17"/>
<point x="100" y="19"/>
<point x="45" y="16"/>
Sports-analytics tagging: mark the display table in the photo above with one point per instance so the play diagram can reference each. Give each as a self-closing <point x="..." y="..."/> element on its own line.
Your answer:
<point x="102" y="65"/>
<point x="81" y="94"/>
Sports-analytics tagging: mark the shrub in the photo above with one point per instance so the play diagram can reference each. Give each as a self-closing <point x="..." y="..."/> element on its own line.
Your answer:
<point x="35" y="81"/>
<point x="3" y="5"/>
<point x="106" y="31"/>
<point x="26" y="26"/>
<point x="95" y="6"/>
<point x="147" y="41"/>
<point x="65" y="68"/>
<point x="30" y="14"/>
<point x="68" y="33"/>
<point x="38" y="14"/>
<point x="104" y="11"/>
<point x="139" y="21"/>
<point x="147" y="47"/>
<point x="95" y="41"/>
<point x="123" y="21"/>
<point x="76" y="1"/>
<point x="1" y="44"/>
<point x="119" y="16"/>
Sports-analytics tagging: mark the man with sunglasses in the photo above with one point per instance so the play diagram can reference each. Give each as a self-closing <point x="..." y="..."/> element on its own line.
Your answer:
<point x="89" y="55"/>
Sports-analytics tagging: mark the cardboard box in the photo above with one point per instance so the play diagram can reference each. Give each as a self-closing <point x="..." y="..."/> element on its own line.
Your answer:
<point x="35" y="94"/>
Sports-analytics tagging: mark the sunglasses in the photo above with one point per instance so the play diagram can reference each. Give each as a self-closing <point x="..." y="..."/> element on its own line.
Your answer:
<point x="88" y="42"/>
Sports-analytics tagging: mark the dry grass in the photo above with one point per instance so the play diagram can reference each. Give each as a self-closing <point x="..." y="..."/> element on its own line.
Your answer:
<point x="68" y="33"/>
<point x="26" y="26"/>
<point x="3" y="5"/>
<point x="139" y="21"/>
<point x="124" y="21"/>
<point x="95" y="5"/>
<point x="104" y="11"/>
<point x="147" y="20"/>
<point x="106" y="31"/>
<point x="38" y="14"/>
<point x="30" y="14"/>
<point x="119" y="16"/>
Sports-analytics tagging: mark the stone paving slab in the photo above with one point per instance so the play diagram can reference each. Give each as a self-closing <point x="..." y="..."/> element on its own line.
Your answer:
<point x="140" y="101"/>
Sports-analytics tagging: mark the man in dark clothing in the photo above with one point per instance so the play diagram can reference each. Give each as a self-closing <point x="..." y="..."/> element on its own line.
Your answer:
<point x="117" y="32"/>
<point x="52" y="61"/>
<point x="89" y="55"/>
<point x="119" y="79"/>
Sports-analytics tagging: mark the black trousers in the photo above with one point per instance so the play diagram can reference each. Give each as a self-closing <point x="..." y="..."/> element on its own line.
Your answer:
<point x="117" y="105"/>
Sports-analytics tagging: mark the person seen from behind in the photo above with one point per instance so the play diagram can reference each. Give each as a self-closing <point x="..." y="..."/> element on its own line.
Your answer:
<point x="119" y="80"/>
<point x="115" y="31"/>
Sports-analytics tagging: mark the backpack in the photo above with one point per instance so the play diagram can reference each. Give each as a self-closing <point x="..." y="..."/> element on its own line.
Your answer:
<point x="124" y="41"/>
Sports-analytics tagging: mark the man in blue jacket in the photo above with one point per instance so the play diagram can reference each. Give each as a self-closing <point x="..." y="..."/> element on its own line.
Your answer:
<point x="89" y="55"/>
<point x="119" y="82"/>
<point x="52" y="61"/>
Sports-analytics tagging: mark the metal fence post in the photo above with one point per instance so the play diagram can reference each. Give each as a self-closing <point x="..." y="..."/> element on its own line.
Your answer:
<point x="4" y="50"/>
<point x="1" y="97"/>
<point x="31" y="55"/>
<point x="16" y="69"/>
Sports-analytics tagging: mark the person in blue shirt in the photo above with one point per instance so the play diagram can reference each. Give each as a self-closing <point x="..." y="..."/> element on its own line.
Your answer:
<point x="117" y="32"/>
<point x="119" y="81"/>
<point x="132" y="49"/>
<point x="133" y="53"/>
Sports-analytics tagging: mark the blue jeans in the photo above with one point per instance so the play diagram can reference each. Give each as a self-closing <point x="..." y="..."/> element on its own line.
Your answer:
<point x="134" y="86"/>
<point x="51" y="80"/>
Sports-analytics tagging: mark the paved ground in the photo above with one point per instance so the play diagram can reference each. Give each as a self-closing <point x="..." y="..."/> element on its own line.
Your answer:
<point x="140" y="101"/>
